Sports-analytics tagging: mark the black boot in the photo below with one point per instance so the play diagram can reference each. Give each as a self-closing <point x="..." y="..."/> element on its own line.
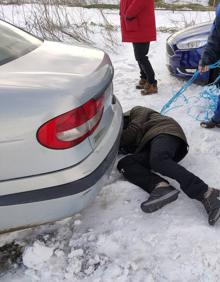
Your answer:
<point x="159" y="197"/>
<point x="212" y="206"/>
<point x="210" y="124"/>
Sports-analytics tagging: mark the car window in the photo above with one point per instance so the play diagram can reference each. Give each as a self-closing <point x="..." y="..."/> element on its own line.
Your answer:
<point x="15" y="43"/>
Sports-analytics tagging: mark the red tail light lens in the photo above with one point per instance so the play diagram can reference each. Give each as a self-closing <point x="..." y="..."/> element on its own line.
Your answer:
<point x="71" y="128"/>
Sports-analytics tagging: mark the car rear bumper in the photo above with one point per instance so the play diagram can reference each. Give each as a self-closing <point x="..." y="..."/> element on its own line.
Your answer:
<point x="49" y="197"/>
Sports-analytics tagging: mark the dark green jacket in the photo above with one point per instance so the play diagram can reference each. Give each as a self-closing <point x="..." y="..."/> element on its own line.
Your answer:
<point x="143" y="124"/>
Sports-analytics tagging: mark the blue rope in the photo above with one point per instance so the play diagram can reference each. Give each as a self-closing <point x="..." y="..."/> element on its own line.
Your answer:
<point x="207" y="93"/>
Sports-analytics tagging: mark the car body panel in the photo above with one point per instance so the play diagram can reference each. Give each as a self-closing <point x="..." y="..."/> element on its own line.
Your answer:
<point x="39" y="184"/>
<point x="32" y="94"/>
<point x="184" y="62"/>
<point x="22" y="210"/>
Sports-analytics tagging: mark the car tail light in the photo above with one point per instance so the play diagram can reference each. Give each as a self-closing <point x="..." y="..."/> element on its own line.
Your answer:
<point x="71" y="128"/>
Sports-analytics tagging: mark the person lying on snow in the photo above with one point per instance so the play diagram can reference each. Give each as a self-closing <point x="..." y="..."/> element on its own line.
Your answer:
<point x="155" y="144"/>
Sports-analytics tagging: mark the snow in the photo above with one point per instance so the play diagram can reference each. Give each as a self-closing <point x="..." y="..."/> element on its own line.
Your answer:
<point x="113" y="240"/>
<point x="35" y="256"/>
<point x="201" y="2"/>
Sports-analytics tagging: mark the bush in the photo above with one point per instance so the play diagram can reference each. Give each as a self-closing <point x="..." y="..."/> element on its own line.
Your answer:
<point x="50" y="20"/>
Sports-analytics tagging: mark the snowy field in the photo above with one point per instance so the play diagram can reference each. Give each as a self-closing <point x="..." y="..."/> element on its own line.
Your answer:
<point x="113" y="240"/>
<point x="201" y="2"/>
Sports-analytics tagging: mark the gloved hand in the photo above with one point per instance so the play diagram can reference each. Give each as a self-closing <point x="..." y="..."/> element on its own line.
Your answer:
<point x="202" y="68"/>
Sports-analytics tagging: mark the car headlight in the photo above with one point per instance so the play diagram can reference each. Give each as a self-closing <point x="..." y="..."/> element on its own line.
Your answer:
<point x="193" y="42"/>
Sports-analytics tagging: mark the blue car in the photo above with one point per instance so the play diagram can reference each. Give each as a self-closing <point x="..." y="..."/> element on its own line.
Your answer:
<point x="184" y="49"/>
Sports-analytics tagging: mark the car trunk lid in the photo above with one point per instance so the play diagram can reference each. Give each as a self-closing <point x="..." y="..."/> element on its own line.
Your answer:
<point x="32" y="95"/>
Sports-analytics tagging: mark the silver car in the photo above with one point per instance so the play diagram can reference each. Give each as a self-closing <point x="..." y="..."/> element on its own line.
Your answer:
<point x="60" y="127"/>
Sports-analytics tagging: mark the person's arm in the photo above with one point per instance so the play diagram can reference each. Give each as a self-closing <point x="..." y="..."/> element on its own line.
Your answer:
<point x="134" y="132"/>
<point x="212" y="49"/>
<point x="129" y="135"/>
<point x="135" y="8"/>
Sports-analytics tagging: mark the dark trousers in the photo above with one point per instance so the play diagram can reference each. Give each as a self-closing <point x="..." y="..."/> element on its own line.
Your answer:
<point x="146" y="70"/>
<point x="213" y="74"/>
<point x="159" y="156"/>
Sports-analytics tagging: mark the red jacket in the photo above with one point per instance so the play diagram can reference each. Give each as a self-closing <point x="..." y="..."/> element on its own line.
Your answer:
<point x="142" y="27"/>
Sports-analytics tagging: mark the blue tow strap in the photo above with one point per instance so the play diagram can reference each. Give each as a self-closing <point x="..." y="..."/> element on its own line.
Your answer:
<point x="166" y="107"/>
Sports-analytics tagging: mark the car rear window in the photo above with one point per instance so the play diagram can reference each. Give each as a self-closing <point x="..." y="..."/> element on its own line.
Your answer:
<point x="15" y="43"/>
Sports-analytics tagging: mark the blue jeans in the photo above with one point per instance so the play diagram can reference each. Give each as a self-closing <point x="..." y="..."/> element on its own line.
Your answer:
<point x="216" y="117"/>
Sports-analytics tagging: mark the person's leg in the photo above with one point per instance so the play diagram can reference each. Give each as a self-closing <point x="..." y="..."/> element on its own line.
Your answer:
<point x="146" y="70"/>
<point x="216" y="117"/>
<point x="143" y="78"/>
<point x="213" y="74"/>
<point x="135" y="169"/>
<point x="162" y="154"/>
<point x="215" y="120"/>
<point x="163" y="151"/>
<point x="137" y="54"/>
<point x="142" y="73"/>
<point x="140" y="52"/>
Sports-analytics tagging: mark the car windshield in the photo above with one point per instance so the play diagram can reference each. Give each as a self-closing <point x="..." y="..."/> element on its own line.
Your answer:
<point x="15" y="43"/>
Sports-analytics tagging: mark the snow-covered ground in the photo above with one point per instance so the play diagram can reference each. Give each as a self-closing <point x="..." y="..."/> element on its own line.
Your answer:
<point x="201" y="2"/>
<point x="113" y="240"/>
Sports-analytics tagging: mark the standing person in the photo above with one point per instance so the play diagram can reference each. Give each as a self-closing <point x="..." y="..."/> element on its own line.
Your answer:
<point x="155" y="144"/>
<point x="138" y="26"/>
<point x="210" y="55"/>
